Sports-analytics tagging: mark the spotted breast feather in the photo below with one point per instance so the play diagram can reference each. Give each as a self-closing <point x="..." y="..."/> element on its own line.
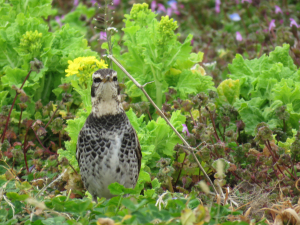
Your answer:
<point x="108" y="151"/>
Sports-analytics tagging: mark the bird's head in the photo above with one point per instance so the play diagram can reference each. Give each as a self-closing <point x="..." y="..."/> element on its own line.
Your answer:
<point x="105" y="93"/>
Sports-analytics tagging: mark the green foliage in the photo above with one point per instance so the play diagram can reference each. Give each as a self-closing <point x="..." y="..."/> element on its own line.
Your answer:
<point x="155" y="54"/>
<point x="266" y="84"/>
<point x="25" y="36"/>
<point x="243" y="131"/>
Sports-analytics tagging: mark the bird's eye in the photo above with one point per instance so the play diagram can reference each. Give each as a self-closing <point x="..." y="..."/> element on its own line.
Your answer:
<point x="97" y="80"/>
<point x="115" y="79"/>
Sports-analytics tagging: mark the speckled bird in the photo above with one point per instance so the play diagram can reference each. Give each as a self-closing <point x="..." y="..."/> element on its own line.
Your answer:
<point x="108" y="149"/>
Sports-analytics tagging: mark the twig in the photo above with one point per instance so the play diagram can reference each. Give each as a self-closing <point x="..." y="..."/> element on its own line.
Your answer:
<point x="51" y="118"/>
<point x="44" y="188"/>
<point x="213" y="122"/>
<point x="12" y="106"/>
<point x="141" y="87"/>
<point x="10" y="204"/>
<point x="180" y="169"/>
<point x="45" y="149"/>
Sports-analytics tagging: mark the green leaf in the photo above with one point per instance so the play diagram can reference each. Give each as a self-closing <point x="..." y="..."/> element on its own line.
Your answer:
<point x="155" y="183"/>
<point x="15" y="77"/>
<point x="118" y="189"/>
<point x="129" y="204"/>
<point x="188" y="83"/>
<point x="16" y="197"/>
<point x="33" y="8"/>
<point x="55" y="221"/>
<point x="78" y="205"/>
<point x="281" y="54"/>
<point x="228" y="91"/>
<point x="136" y="122"/>
<point x="196" y="57"/>
<point x="250" y="114"/>
<point x="3" y="95"/>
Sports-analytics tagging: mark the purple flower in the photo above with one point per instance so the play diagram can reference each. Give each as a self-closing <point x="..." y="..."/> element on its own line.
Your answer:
<point x="160" y="8"/>
<point x="103" y="35"/>
<point x="235" y="17"/>
<point x="116" y="2"/>
<point x="93" y="2"/>
<point x="57" y="18"/>
<point x="185" y="130"/>
<point x="217" y="6"/>
<point x="238" y="36"/>
<point x="169" y="11"/>
<point x="153" y="5"/>
<point x="174" y="7"/>
<point x="76" y="2"/>
<point x="192" y="41"/>
<point x="293" y="23"/>
<point x="272" y="25"/>
<point x="250" y="1"/>
<point x="278" y="9"/>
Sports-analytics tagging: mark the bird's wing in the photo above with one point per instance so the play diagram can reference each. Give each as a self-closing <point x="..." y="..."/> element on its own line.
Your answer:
<point x="138" y="151"/>
<point x="130" y="143"/>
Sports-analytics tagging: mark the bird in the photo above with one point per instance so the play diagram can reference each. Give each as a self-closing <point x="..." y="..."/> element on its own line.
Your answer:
<point x="108" y="149"/>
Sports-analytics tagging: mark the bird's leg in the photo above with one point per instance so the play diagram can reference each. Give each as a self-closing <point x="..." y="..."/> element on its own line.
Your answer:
<point x="95" y="198"/>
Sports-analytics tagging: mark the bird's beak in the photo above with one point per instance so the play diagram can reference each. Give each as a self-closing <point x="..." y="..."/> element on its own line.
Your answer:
<point x="107" y="78"/>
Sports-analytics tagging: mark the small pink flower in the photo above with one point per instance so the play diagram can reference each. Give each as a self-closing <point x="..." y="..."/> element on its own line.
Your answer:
<point x="281" y="21"/>
<point x="249" y="1"/>
<point x="174" y="7"/>
<point x="161" y="8"/>
<point x="272" y="25"/>
<point x="238" y="36"/>
<point x="293" y="23"/>
<point x="192" y="41"/>
<point x="116" y="2"/>
<point x="103" y="35"/>
<point x="57" y="18"/>
<point x="76" y="2"/>
<point x="169" y="11"/>
<point x="278" y="9"/>
<point x="217" y="6"/>
<point x="185" y="130"/>
<point x="153" y="5"/>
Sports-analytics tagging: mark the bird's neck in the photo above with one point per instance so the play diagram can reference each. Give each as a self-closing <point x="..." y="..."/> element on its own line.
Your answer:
<point x="102" y="107"/>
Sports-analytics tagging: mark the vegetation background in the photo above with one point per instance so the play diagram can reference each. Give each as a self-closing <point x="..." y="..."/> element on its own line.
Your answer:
<point x="225" y="73"/>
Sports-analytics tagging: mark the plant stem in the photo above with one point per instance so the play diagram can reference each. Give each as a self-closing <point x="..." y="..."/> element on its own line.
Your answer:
<point x="20" y="120"/>
<point x="195" y="124"/>
<point x="213" y="123"/>
<point x="51" y="118"/>
<point x="12" y="106"/>
<point x="180" y="169"/>
<point x="165" y="118"/>
<point x="25" y="150"/>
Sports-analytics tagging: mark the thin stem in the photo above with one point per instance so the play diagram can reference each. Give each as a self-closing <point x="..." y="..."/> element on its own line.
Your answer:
<point x="20" y="119"/>
<point x="180" y="169"/>
<point x="25" y="150"/>
<point x="51" y="117"/>
<point x="165" y="118"/>
<point x="195" y="124"/>
<point x="270" y="150"/>
<point x="45" y="149"/>
<point x="213" y="122"/>
<point x="12" y="106"/>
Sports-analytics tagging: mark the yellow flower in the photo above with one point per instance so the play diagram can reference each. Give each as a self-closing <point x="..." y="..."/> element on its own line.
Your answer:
<point x="84" y="67"/>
